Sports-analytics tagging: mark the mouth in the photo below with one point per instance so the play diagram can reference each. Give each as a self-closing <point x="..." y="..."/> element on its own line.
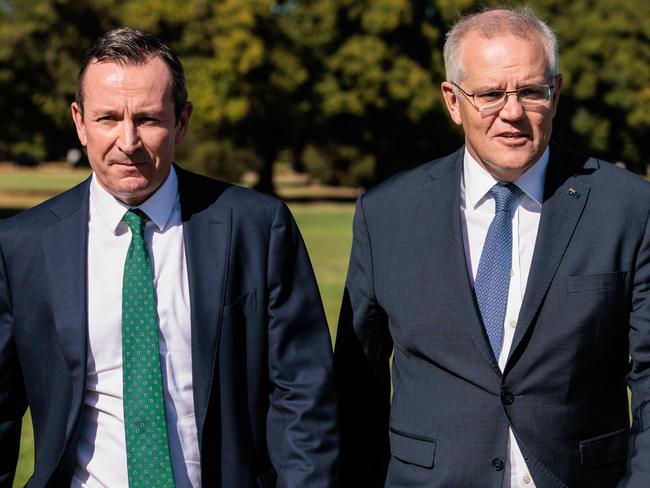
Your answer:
<point x="128" y="163"/>
<point x="513" y="138"/>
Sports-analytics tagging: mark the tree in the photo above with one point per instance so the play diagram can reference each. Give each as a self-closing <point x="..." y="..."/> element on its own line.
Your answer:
<point x="605" y="60"/>
<point x="244" y="77"/>
<point x="349" y="86"/>
<point x="41" y="43"/>
<point x="376" y="66"/>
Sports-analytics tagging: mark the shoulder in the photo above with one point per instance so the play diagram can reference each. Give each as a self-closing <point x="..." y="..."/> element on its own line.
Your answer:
<point x="609" y="181"/>
<point x="403" y="186"/>
<point x="46" y="213"/>
<point x="201" y="193"/>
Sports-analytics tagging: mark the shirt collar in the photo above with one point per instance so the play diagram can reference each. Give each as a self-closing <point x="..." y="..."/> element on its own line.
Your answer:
<point x="478" y="181"/>
<point x="158" y="206"/>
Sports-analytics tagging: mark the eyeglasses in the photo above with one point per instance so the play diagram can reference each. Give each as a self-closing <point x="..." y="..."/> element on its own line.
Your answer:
<point x="494" y="100"/>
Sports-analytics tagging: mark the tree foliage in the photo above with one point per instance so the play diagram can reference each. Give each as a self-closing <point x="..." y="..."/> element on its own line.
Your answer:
<point x="41" y="43"/>
<point x="605" y="61"/>
<point x="350" y="88"/>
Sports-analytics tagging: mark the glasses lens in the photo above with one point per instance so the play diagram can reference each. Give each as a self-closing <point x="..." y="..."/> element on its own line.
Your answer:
<point x="494" y="100"/>
<point x="489" y="100"/>
<point x="535" y="95"/>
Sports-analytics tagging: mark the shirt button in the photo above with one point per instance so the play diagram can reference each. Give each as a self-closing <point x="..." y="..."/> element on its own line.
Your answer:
<point x="497" y="464"/>
<point x="513" y="323"/>
<point x="526" y="479"/>
<point x="512" y="273"/>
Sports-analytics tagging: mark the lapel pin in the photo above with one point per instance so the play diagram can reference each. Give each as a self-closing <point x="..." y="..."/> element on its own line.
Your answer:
<point x="572" y="192"/>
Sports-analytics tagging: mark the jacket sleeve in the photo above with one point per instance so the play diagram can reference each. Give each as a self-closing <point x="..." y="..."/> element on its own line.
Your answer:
<point x="13" y="401"/>
<point x="362" y="373"/>
<point x="302" y="433"/>
<point x="638" y="472"/>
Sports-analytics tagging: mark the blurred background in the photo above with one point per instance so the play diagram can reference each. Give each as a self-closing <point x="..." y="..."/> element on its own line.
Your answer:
<point x="346" y="91"/>
<point x="312" y="100"/>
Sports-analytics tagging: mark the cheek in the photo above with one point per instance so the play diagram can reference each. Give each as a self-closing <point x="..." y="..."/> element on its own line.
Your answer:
<point x="98" y="142"/>
<point x="158" y="142"/>
<point x="543" y="128"/>
<point x="482" y="128"/>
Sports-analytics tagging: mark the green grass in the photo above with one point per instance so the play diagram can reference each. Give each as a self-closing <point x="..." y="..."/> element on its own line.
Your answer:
<point x="40" y="181"/>
<point x="327" y="230"/>
<point x="26" y="458"/>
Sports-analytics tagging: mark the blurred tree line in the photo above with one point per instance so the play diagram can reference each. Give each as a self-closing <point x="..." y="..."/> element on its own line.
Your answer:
<point x="348" y="89"/>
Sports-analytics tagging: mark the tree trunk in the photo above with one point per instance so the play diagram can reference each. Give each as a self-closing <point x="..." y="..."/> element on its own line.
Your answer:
<point x="265" y="175"/>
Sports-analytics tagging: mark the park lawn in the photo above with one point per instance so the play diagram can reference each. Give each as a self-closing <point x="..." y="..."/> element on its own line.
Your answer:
<point x="50" y="179"/>
<point x="327" y="231"/>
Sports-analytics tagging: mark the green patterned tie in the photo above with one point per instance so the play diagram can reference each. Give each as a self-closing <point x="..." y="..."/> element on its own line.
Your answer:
<point x="147" y="446"/>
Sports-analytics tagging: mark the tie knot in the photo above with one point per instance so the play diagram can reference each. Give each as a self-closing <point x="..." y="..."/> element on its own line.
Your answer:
<point x="504" y="196"/>
<point x="136" y="219"/>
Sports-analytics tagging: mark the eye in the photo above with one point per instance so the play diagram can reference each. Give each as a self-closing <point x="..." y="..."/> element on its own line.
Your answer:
<point x="490" y="96"/>
<point x="146" y="119"/>
<point x="533" y="93"/>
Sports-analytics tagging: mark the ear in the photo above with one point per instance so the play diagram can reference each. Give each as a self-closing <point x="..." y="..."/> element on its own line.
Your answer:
<point x="78" y="119"/>
<point x="183" y="123"/>
<point x="452" y="101"/>
<point x="556" y="93"/>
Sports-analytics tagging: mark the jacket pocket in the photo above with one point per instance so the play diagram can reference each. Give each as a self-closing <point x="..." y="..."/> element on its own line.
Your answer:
<point x="604" y="449"/>
<point x="596" y="282"/>
<point x="412" y="449"/>
<point x="241" y="306"/>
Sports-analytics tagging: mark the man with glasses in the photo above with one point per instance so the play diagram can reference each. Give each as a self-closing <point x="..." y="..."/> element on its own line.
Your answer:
<point x="510" y="282"/>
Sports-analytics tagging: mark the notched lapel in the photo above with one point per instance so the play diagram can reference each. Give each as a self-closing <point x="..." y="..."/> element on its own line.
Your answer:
<point x="207" y="246"/>
<point x="65" y="248"/>
<point x="565" y="196"/>
<point x="440" y="198"/>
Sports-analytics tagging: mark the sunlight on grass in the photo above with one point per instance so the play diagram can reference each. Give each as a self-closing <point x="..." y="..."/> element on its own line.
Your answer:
<point x="327" y="230"/>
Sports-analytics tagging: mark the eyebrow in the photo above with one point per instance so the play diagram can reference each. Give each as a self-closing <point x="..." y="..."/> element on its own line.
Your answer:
<point x="101" y="111"/>
<point x="496" y="86"/>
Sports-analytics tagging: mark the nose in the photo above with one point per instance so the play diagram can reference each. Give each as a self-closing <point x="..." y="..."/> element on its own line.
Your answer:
<point x="512" y="109"/>
<point x="129" y="140"/>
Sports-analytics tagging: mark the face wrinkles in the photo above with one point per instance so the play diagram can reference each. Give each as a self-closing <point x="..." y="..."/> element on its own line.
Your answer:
<point x="129" y="126"/>
<point x="508" y="142"/>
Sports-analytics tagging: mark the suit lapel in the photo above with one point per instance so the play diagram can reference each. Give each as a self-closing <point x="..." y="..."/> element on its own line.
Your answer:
<point x="65" y="247"/>
<point x="206" y="233"/>
<point x="440" y="198"/>
<point x="565" y="196"/>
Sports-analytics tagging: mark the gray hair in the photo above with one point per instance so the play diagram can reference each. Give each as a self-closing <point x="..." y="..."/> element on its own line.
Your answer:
<point x="131" y="46"/>
<point x="520" y="22"/>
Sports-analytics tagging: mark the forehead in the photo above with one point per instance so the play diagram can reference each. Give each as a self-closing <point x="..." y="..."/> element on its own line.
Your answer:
<point x="149" y="82"/>
<point x="503" y="58"/>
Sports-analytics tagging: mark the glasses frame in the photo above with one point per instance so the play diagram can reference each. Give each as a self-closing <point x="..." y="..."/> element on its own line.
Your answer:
<point x="497" y="108"/>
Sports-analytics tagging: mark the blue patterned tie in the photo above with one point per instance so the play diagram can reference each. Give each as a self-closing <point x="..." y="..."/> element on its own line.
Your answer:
<point x="493" y="275"/>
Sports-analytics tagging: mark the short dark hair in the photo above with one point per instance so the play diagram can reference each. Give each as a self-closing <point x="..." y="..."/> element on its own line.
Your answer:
<point x="131" y="46"/>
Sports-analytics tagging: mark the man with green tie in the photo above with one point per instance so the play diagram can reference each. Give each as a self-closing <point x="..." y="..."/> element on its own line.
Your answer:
<point x="164" y="328"/>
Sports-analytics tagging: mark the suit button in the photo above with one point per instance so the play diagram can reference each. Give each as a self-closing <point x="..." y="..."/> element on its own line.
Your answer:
<point x="507" y="398"/>
<point x="497" y="464"/>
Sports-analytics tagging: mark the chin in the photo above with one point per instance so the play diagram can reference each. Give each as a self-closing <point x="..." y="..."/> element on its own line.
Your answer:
<point x="132" y="194"/>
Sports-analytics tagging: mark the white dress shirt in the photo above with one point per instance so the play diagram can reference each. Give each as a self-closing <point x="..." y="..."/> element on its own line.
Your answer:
<point x="101" y="454"/>
<point x="477" y="212"/>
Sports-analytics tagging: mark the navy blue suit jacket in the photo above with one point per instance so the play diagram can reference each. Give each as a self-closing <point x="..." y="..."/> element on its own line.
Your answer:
<point x="261" y="351"/>
<point x="586" y="309"/>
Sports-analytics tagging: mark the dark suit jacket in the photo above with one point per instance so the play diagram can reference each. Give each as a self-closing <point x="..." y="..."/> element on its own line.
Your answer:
<point x="261" y="351"/>
<point x="563" y="391"/>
